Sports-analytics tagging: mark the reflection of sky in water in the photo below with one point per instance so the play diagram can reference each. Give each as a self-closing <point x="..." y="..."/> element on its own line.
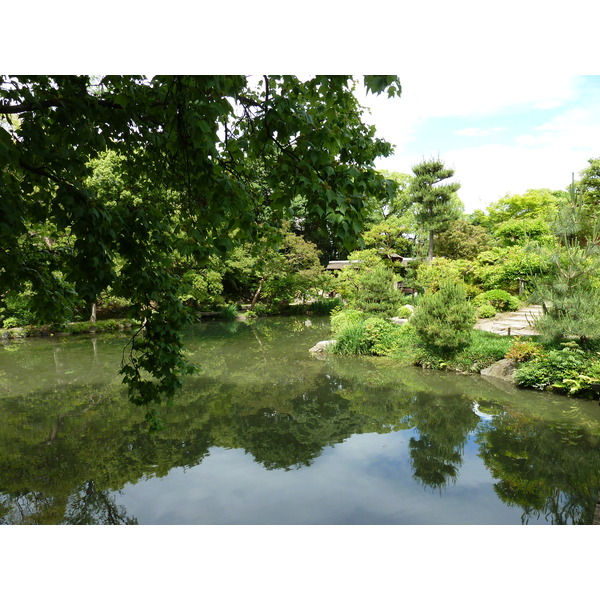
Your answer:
<point x="366" y="480"/>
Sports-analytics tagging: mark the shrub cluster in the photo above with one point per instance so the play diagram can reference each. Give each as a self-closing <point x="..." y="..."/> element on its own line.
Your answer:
<point x="502" y="301"/>
<point x="570" y="369"/>
<point x="523" y="351"/>
<point x="372" y="335"/>
<point x="343" y="318"/>
<point x="360" y="334"/>
<point x="486" y="311"/>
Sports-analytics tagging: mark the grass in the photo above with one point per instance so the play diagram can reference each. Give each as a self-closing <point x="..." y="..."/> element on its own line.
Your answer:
<point x="403" y="345"/>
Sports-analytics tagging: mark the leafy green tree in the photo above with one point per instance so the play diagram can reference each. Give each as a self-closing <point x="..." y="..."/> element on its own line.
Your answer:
<point x="462" y="240"/>
<point x="588" y="187"/>
<point x="431" y="275"/>
<point x="396" y="204"/>
<point x="190" y="146"/>
<point x="390" y="236"/>
<point x="280" y="273"/>
<point x="519" y="219"/>
<point x="511" y="268"/>
<point x="533" y="204"/>
<point x="436" y="205"/>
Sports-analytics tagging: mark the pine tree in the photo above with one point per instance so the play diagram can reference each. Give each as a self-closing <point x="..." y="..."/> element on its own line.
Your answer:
<point x="436" y="206"/>
<point x="444" y="319"/>
<point x="569" y="288"/>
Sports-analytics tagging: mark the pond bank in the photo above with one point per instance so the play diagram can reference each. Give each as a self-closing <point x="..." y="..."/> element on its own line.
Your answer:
<point x="105" y="326"/>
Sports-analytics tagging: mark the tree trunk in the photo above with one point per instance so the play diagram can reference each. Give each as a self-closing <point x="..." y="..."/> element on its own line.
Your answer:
<point x="430" y="245"/>
<point x="257" y="294"/>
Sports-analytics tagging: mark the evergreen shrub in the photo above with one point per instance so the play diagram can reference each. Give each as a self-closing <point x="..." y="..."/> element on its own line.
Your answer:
<point x="444" y="320"/>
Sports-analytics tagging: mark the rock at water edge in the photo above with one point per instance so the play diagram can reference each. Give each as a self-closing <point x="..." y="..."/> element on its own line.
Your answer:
<point x="503" y="369"/>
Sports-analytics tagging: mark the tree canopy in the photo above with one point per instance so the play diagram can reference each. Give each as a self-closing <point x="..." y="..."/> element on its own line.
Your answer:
<point x="204" y="161"/>
<point x="436" y="203"/>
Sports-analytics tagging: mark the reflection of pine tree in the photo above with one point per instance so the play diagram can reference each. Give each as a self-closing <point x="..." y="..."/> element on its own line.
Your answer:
<point x="90" y="506"/>
<point x="548" y="471"/>
<point x="443" y="424"/>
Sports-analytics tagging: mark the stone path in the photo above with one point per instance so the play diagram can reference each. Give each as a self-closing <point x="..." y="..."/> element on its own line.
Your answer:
<point x="512" y="323"/>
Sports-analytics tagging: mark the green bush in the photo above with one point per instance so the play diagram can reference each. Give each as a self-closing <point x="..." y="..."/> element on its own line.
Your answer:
<point x="382" y="335"/>
<point x="444" y="320"/>
<point x="10" y="322"/>
<point x="485" y="348"/>
<point x="326" y="306"/>
<point x="404" y="312"/>
<point x="375" y="336"/>
<point x="486" y="311"/>
<point x="569" y="370"/>
<point x="499" y="299"/>
<point x="523" y="351"/>
<point x="16" y="311"/>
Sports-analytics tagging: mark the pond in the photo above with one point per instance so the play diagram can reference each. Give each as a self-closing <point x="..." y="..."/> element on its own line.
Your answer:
<point x="268" y="434"/>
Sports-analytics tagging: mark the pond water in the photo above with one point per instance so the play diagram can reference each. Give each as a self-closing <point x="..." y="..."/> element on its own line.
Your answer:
<point x="268" y="434"/>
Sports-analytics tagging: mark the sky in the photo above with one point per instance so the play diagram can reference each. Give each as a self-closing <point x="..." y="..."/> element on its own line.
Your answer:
<point x="501" y="134"/>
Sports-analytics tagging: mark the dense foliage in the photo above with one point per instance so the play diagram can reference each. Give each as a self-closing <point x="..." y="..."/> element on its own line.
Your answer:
<point x="201" y="164"/>
<point x="164" y="199"/>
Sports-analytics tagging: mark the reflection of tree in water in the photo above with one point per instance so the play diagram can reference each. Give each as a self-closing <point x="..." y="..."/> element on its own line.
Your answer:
<point x="86" y="506"/>
<point x="443" y="423"/>
<point x="548" y="469"/>
<point x="63" y="448"/>
<point x="318" y="418"/>
<point x="91" y="506"/>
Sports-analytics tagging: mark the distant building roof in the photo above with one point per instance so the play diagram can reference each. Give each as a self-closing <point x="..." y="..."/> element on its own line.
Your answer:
<point x="340" y="264"/>
<point x="335" y="265"/>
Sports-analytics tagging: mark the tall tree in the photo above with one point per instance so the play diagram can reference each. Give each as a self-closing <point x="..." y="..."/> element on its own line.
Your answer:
<point x="190" y="146"/>
<point x="436" y="205"/>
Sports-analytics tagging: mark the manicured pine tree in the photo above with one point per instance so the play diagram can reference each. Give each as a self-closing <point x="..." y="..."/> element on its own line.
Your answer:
<point x="436" y="206"/>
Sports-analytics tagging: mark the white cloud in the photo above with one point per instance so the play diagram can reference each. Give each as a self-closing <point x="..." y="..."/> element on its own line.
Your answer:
<point x="539" y="157"/>
<point x="475" y="132"/>
<point x="488" y="172"/>
<point x="548" y="104"/>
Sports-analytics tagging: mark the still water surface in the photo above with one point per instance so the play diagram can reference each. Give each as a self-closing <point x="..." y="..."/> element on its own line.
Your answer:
<point x="267" y="434"/>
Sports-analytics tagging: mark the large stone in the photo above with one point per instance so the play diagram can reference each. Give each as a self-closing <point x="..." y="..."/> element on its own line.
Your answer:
<point x="321" y="347"/>
<point x="503" y="369"/>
